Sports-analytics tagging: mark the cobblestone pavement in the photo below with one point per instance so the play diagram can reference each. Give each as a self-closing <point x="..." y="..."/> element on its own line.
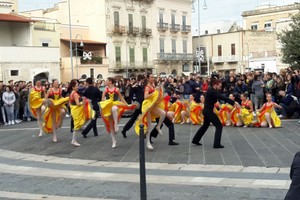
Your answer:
<point x="253" y="165"/>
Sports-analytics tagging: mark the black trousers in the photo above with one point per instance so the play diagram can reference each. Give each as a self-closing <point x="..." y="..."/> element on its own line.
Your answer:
<point x="92" y="125"/>
<point x="132" y="119"/>
<point x="170" y="126"/>
<point x="209" y="116"/>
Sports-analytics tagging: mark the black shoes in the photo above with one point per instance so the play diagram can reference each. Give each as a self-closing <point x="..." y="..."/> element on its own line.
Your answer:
<point x="124" y="134"/>
<point x="83" y="134"/>
<point x="218" y="146"/>
<point x="196" y="143"/>
<point x="173" y="143"/>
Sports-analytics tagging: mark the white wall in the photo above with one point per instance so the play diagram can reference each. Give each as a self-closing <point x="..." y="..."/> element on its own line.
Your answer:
<point x="29" y="54"/>
<point x="20" y="34"/>
<point x="270" y="65"/>
<point x="5" y="36"/>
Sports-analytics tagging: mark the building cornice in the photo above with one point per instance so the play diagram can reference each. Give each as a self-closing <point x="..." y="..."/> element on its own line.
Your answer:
<point x="276" y="9"/>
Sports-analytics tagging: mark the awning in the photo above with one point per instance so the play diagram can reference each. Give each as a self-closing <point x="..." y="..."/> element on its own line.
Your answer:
<point x="84" y="41"/>
<point x="14" y="18"/>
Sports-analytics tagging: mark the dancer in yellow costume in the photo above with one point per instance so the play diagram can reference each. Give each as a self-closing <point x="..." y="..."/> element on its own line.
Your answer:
<point x="36" y="103"/>
<point x="152" y="107"/>
<point x="267" y="116"/>
<point x="174" y="111"/>
<point x="112" y="109"/>
<point x="55" y="111"/>
<point x="81" y="110"/>
<point x="246" y="113"/>
<point x="225" y="112"/>
<point x="195" y="111"/>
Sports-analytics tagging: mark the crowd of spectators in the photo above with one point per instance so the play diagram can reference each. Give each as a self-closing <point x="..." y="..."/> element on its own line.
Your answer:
<point x="284" y="88"/>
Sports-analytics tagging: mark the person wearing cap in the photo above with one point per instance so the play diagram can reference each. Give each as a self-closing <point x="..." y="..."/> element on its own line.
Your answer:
<point x="212" y="96"/>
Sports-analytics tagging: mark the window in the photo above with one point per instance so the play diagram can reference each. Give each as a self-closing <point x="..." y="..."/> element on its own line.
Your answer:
<point x="183" y="20"/>
<point x="206" y="32"/>
<point x="232" y="49"/>
<point x="184" y="46"/>
<point x="268" y="24"/>
<point x="130" y="22"/>
<point x="162" y="45"/>
<point x="185" y="68"/>
<point x="14" y="72"/>
<point x="131" y="55"/>
<point x="118" y="54"/>
<point x="145" y="55"/>
<point x="254" y="26"/>
<point x="161" y="17"/>
<point x="218" y="31"/>
<point x="84" y="76"/>
<point x="143" y="22"/>
<point x="172" y="18"/>
<point x="116" y="19"/>
<point x="44" y="44"/>
<point x="92" y="72"/>
<point x="219" y="50"/>
<point x="174" y="45"/>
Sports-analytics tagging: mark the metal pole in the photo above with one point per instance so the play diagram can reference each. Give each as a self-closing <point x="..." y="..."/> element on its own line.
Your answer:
<point x="71" y="47"/>
<point x="143" y="187"/>
<point x="199" y="59"/>
<point x="76" y="60"/>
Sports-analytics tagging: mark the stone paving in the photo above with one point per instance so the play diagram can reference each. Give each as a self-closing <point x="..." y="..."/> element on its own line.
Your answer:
<point x="253" y="165"/>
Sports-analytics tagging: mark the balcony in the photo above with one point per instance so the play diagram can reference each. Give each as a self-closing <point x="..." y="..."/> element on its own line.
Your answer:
<point x="218" y="59"/>
<point x="118" y="30"/>
<point x="132" y="66"/>
<point x="133" y="31"/>
<point x="146" y="32"/>
<point x="185" y="29"/>
<point x="232" y="58"/>
<point x="162" y="26"/>
<point x="174" y="28"/>
<point x="263" y="54"/>
<point x="174" y="57"/>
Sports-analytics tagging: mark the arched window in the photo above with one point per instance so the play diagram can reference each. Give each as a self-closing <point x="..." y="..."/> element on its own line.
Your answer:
<point x="99" y="76"/>
<point x="174" y="72"/>
<point x="84" y="76"/>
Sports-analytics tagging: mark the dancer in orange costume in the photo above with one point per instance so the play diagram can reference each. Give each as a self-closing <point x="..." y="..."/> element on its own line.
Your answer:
<point x="246" y="113"/>
<point x="56" y="110"/>
<point x="225" y="111"/>
<point x="195" y="111"/>
<point x="153" y="107"/>
<point x="112" y="109"/>
<point x="267" y="116"/>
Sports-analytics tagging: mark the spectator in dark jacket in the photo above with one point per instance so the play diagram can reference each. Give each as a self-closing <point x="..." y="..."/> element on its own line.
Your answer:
<point x="286" y="100"/>
<point x="294" y="191"/>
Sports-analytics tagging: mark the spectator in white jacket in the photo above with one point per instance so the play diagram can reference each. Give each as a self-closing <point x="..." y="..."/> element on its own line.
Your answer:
<point x="9" y="99"/>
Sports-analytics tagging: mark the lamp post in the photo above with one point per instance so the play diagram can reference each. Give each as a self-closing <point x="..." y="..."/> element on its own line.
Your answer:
<point x="199" y="8"/>
<point x="81" y="45"/>
<point x="71" y="46"/>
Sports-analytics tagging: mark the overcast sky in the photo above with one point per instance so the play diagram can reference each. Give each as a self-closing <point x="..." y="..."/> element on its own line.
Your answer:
<point x="216" y="9"/>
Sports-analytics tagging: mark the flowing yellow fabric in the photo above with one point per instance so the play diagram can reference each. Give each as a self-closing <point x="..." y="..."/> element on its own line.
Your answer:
<point x="246" y="116"/>
<point x="155" y="100"/>
<point x="224" y="113"/>
<point x="82" y="113"/>
<point x="276" y="122"/>
<point x="176" y="107"/>
<point x="106" y="107"/>
<point x="55" y="106"/>
<point x="234" y="117"/>
<point x="196" y="115"/>
<point x="35" y="101"/>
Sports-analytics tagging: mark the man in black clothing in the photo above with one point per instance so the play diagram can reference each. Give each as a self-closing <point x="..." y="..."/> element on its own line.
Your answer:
<point x="294" y="191"/>
<point x="212" y="96"/>
<point x="170" y="126"/>
<point x="137" y="90"/>
<point x="94" y="94"/>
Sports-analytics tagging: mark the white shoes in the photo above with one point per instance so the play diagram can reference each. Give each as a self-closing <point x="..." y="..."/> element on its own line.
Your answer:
<point x="114" y="145"/>
<point x="12" y="122"/>
<point x="149" y="146"/>
<point x="75" y="143"/>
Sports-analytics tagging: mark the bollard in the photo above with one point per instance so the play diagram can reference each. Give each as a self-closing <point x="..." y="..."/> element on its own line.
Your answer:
<point x="142" y="164"/>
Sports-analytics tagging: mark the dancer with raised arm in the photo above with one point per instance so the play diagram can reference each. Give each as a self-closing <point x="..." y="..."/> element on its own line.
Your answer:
<point x="112" y="109"/>
<point x="152" y="107"/>
<point x="55" y="111"/>
<point x="211" y="98"/>
<point x="36" y="103"/>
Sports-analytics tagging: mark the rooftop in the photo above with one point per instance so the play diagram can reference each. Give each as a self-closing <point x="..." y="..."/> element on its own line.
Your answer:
<point x="295" y="6"/>
<point x="14" y="18"/>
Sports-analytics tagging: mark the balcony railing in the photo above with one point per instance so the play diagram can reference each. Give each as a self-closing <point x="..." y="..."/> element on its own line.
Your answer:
<point x="174" y="28"/>
<point x="263" y="54"/>
<point x="185" y="29"/>
<point x="118" y="30"/>
<point x="174" y="57"/>
<point x="218" y="59"/>
<point x="232" y="58"/>
<point x="134" y="31"/>
<point x="146" y="32"/>
<point x="138" y="65"/>
<point x="162" y="26"/>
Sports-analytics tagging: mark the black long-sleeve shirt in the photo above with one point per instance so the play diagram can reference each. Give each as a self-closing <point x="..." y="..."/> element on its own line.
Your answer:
<point x="138" y="92"/>
<point x="94" y="94"/>
<point x="212" y="96"/>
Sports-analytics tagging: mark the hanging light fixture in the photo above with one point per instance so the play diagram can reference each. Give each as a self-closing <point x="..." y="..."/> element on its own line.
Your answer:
<point x="204" y="5"/>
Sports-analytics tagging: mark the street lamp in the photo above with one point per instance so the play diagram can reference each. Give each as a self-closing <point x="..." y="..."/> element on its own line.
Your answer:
<point x="81" y="45"/>
<point x="199" y="8"/>
<point x="71" y="45"/>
